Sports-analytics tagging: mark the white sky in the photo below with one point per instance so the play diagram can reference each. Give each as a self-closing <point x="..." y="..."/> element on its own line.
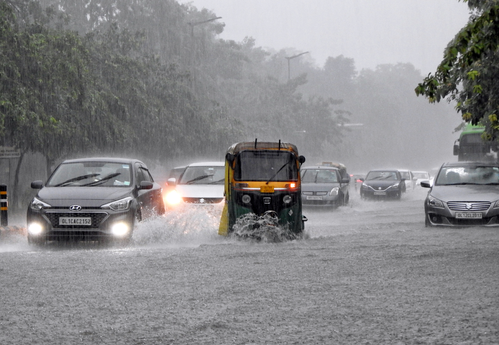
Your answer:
<point x="372" y="32"/>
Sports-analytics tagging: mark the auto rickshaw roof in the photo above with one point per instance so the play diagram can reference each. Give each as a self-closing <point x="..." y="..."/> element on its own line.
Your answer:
<point x="262" y="145"/>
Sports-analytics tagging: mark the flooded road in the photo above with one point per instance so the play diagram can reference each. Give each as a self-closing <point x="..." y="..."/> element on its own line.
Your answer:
<point x="369" y="272"/>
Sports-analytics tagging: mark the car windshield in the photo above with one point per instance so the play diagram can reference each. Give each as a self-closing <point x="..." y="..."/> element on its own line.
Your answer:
<point x="382" y="175"/>
<point x="90" y="174"/>
<point x="468" y="175"/>
<point x="203" y="175"/>
<point x="266" y="166"/>
<point x="319" y="176"/>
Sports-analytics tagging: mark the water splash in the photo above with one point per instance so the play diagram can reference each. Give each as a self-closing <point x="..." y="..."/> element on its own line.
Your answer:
<point x="263" y="228"/>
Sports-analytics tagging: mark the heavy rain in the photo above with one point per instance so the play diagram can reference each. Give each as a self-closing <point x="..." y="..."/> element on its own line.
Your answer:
<point x="220" y="87"/>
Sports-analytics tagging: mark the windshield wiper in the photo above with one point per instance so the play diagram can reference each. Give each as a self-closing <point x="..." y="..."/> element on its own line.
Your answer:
<point x="102" y="180"/>
<point x="197" y="179"/>
<point x="277" y="172"/>
<point x="217" y="181"/>
<point x="74" y="179"/>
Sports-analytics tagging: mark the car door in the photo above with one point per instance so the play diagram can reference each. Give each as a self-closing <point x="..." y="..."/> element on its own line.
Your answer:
<point x="147" y="198"/>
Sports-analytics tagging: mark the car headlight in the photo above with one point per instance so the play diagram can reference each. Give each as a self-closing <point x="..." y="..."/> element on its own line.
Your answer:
<point x="396" y="185"/>
<point x="173" y="198"/>
<point x="37" y="205"/>
<point x="496" y="204"/>
<point x="334" y="191"/>
<point x="434" y="202"/>
<point x="119" y="205"/>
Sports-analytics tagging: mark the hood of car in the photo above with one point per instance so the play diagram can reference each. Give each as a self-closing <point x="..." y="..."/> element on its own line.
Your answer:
<point x="83" y="196"/>
<point x="381" y="183"/>
<point x="466" y="193"/>
<point x="317" y="187"/>
<point x="200" y="190"/>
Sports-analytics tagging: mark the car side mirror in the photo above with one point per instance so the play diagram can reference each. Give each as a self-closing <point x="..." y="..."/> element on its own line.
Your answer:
<point x="38" y="184"/>
<point x="425" y="184"/>
<point x="146" y="185"/>
<point x="301" y="159"/>
<point x="172" y="181"/>
<point x="345" y="180"/>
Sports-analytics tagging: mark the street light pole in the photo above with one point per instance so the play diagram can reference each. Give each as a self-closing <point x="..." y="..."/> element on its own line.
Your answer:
<point x="193" y="46"/>
<point x="292" y="57"/>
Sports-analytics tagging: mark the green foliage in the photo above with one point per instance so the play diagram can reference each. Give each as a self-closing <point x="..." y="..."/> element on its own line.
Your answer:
<point x="468" y="71"/>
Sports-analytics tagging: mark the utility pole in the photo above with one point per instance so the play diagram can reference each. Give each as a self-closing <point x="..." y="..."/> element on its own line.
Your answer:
<point x="290" y="58"/>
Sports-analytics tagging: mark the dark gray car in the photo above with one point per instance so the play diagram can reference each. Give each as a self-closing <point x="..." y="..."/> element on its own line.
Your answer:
<point x="463" y="194"/>
<point x="93" y="199"/>
<point x="383" y="183"/>
<point x="323" y="186"/>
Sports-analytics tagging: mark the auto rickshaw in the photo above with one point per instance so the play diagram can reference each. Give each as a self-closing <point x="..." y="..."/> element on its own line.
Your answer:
<point x="263" y="177"/>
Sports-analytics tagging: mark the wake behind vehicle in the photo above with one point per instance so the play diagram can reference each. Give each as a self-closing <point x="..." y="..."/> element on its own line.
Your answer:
<point x="463" y="194"/>
<point x="93" y="199"/>
<point x="263" y="178"/>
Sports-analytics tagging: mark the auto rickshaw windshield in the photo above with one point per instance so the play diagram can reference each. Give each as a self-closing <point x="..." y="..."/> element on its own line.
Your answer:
<point x="265" y="165"/>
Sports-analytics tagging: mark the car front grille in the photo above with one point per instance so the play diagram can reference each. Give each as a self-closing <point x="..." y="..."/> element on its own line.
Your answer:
<point x="468" y="206"/>
<point x="97" y="219"/>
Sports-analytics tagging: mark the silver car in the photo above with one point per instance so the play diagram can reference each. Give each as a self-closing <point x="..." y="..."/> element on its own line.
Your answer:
<point x="463" y="194"/>
<point x="323" y="186"/>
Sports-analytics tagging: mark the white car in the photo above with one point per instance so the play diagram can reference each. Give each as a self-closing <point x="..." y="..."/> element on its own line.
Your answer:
<point x="407" y="176"/>
<point x="199" y="184"/>
<point x="419" y="176"/>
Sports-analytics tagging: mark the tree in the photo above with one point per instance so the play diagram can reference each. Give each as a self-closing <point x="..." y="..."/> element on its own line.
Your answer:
<point x="469" y="70"/>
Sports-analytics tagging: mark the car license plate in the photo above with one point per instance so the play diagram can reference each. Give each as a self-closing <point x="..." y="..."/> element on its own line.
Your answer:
<point x="75" y="221"/>
<point x="314" y="197"/>
<point x="468" y="215"/>
<point x="267" y="189"/>
<point x="379" y="192"/>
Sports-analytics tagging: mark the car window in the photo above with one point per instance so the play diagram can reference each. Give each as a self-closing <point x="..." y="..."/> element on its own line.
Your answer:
<point x="382" y="175"/>
<point x="89" y="174"/>
<point x="319" y="176"/>
<point x="468" y="175"/>
<point x="203" y="175"/>
<point x="143" y="175"/>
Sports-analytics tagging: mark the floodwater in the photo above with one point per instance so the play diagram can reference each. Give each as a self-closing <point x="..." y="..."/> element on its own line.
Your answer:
<point x="369" y="272"/>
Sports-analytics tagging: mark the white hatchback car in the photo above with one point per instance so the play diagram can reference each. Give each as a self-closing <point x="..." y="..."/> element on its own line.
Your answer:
<point x="199" y="184"/>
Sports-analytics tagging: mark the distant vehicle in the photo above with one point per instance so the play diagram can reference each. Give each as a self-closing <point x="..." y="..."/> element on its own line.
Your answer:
<point x="93" y="199"/>
<point x="341" y="168"/>
<point x="463" y="194"/>
<point x="420" y="175"/>
<point x="198" y="184"/>
<point x="408" y="179"/>
<point x="472" y="147"/>
<point x="383" y="184"/>
<point x="323" y="186"/>
<point x="357" y="180"/>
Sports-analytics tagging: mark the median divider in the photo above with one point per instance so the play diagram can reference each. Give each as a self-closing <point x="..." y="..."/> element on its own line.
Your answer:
<point x="7" y="231"/>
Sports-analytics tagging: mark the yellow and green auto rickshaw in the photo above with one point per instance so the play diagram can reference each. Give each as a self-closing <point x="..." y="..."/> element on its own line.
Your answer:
<point x="263" y="177"/>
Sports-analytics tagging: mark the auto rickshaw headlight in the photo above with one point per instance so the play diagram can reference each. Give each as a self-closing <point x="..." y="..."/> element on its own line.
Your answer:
<point x="287" y="199"/>
<point x="246" y="199"/>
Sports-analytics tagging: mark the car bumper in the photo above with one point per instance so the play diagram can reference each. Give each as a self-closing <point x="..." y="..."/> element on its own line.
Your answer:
<point x="104" y="224"/>
<point x="391" y="193"/>
<point x="320" y="201"/>
<point x="448" y="218"/>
